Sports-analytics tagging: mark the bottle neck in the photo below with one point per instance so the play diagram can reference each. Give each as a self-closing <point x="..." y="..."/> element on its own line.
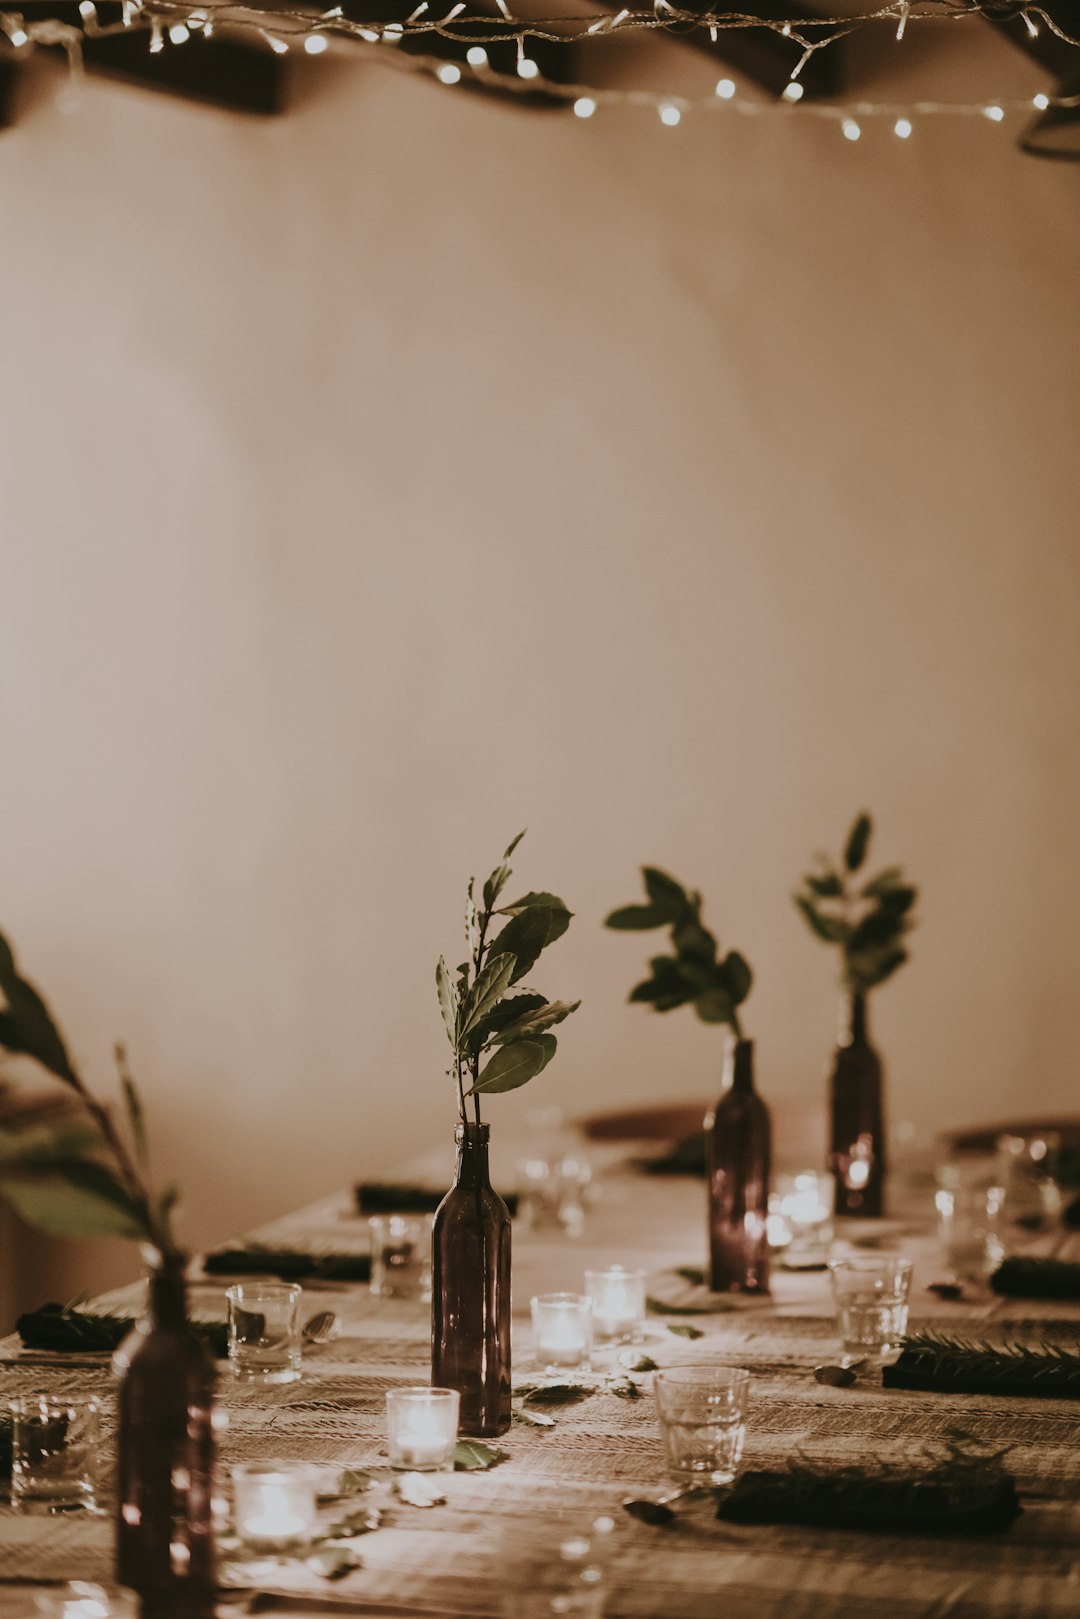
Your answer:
<point x="168" y="1293"/>
<point x="854" y="1024"/>
<point x="739" y="1066"/>
<point x="472" y="1154"/>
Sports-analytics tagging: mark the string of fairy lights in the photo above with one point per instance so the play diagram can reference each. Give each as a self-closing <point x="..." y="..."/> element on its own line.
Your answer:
<point x="171" y="24"/>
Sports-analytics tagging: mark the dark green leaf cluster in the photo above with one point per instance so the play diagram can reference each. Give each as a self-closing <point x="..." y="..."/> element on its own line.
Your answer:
<point x="867" y="920"/>
<point x="482" y="1020"/>
<point x="694" y="972"/>
<point x="74" y="1180"/>
<point x="937" y="1361"/>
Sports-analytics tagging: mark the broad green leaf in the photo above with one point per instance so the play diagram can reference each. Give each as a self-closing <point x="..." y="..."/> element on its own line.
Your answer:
<point x="683" y="1329"/>
<point x="526" y="934"/>
<point x="665" y="892"/>
<point x="472" y="1455"/>
<point x="489" y="987"/>
<point x="891" y="877"/>
<point x="737" y="976"/>
<point x="691" y="939"/>
<point x="858" y="842"/>
<point x="550" y="1045"/>
<point x="495" y="884"/>
<point x="700" y="975"/>
<point x="512" y="1066"/>
<point x="82" y="1206"/>
<point x="554" y="1393"/>
<point x="27" y="1026"/>
<point x="715" y="1006"/>
<point x="534" y="1022"/>
<point x="898" y="901"/>
<point x="504" y="1013"/>
<point x="876" y="929"/>
<point x="828" y="928"/>
<point x="447" y="1001"/>
<point x="529" y="901"/>
<point x="827" y="887"/>
<point x="637" y="918"/>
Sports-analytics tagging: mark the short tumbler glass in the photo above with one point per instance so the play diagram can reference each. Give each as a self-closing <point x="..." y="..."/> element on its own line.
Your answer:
<point x="969" y="1213"/>
<point x="264" y="1331"/>
<point x="702" y="1412"/>
<point x="54" y="1446"/>
<point x="400" y="1256"/>
<point x="871" y="1293"/>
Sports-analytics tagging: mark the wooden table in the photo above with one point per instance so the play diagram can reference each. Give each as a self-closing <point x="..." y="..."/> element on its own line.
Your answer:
<point x="455" y="1559"/>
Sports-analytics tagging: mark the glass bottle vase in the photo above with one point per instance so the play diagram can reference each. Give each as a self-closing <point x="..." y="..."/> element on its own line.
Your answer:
<point x="165" y="1455"/>
<point x="738" y="1150"/>
<point x="470" y="1291"/>
<point x="857" y="1115"/>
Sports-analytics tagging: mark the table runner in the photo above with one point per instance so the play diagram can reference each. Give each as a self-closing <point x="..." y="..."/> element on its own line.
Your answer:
<point x="450" y="1560"/>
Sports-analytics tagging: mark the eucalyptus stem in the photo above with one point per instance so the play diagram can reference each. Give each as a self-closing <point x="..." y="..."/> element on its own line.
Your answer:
<point x="115" y="1142"/>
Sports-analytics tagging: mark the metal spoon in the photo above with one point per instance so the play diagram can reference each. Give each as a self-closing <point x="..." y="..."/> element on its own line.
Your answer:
<point x="322" y="1326"/>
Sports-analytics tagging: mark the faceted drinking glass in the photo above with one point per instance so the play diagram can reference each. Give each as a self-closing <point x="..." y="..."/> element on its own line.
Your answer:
<point x="54" y="1444"/>
<point x="871" y="1294"/>
<point x="702" y="1411"/>
<point x="264" y="1331"/>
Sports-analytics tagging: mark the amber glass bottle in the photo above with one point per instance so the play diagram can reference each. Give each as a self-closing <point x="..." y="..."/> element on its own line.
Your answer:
<point x="165" y="1456"/>
<point x="738" y="1149"/>
<point x="857" y="1115"/>
<point x="470" y="1291"/>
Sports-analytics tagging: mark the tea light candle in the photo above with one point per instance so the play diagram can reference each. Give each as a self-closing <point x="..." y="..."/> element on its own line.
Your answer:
<point x="562" y="1329"/>
<point x="800" y="1213"/>
<point x="422" y="1427"/>
<point x="274" y="1503"/>
<point x="618" y="1303"/>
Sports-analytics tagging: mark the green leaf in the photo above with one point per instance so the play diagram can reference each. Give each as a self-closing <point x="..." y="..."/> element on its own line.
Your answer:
<point x="691" y="939"/>
<point x="655" y="1513"/>
<point x="504" y="1013"/>
<point x="534" y="1022"/>
<point x="490" y="986"/>
<point x="555" y="1393"/>
<point x="333" y="1562"/>
<point x="642" y="1363"/>
<point x="870" y="969"/>
<point x="532" y="1419"/>
<point x="858" y="842"/>
<point x="512" y="1066"/>
<point x="447" y="1001"/>
<point x="512" y="845"/>
<point x="828" y="928"/>
<point x="691" y="1273"/>
<point x="526" y="934"/>
<point x="827" y="887"/>
<point x="683" y="1329"/>
<point x="636" y="918"/>
<point x="86" y="1202"/>
<point x="719" y="1304"/>
<point x="473" y="1456"/>
<point x="898" y="901"/>
<point x="550" y="1045"/>
<point x="530" y="901"/>
<point x="495" y="884"/>
<point x="737" y="976"/>
<point x="665" y="893"/>
<point x="877" y="928"/>
<point x="624" y="1388"/>
<point x="27" y="1027"/>
<point x="891" y="877"/>
<point x="715" y="1006"/>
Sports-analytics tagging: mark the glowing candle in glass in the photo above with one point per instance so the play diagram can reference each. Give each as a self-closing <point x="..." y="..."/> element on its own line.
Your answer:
<point x="274" y="1503"/>
<point x="618" y="1304"/>
<point x="800" y="1217"/>
<point x="422" y="1426"/>
<point x="562" y="1330"/>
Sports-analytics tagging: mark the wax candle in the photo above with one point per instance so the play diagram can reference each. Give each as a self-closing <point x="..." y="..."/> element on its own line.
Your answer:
<point x="274" y="1504"/>
<point x="562" y="1329"/>
<point x="618" y="1302"/>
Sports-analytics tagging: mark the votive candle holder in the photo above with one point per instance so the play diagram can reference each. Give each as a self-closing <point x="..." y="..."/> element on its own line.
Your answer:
<point x="274" y="1505"/>
<point x="562" y="1330"/>
<point x="618" y="1304"/>
<point x="421" y="1427"/>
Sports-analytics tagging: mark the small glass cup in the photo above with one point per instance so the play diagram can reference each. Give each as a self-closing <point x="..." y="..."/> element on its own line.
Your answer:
<point x="264" y="1331"/>
<point x="871" y="1293"/>
<point x="618" y="1302"/>
<point x="562" y="1330"/>
<point x="1027" y="1167"/>
<point x="274" y="1504"/>
<point x="400" y="1256"/>
<point x="421" y="1426"/>
<point x="54" y="1448"/>
<point x="800" y="1218"/>
<point x="969" y="1209"/>
<point x="702" y="1411"/>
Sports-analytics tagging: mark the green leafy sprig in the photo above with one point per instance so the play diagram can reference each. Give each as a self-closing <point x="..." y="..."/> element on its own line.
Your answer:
<point x="75" y="1178"/>
<point x="866" y="921"/>
<point x="501" y="1041"/>
<point x="693" y="972"/>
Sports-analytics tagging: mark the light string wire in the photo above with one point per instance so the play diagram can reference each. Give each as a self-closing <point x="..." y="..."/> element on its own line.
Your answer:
<point x="178" y="21"/>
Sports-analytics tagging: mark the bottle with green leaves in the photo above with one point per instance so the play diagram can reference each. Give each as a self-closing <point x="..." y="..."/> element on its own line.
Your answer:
<point x="80" y="1175"/>
<point x="500" y="1035"/>
<point x="866" y="921"/>
<point x="738" y="1132"/>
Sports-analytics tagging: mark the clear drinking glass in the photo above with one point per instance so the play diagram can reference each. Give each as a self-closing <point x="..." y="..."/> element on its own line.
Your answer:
<point x="1027" y="1167"/>
<point x="562" y="1330"/>
<point x="54" y="1448"/>
<point x="702" y="1412"/>
<point x="969" y="1208"/>
<point x="871" y="1293"/>
<point x="264" y="1331"/>
<point x="400" y="1256"/>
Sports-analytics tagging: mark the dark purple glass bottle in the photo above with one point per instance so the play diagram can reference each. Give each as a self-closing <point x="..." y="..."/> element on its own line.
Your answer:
<point x="470" y="1291"/>
<point x="738" y="1150"/>
<point x="857" y="1115"/>
<point x="165" y="1456"/>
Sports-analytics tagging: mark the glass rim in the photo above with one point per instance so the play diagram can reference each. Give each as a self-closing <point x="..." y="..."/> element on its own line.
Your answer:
<point x="275" y="1467"/>
<point x="699" y="1376"/>
<point x="267" y="1290"/>
<point x="21" y="1405"/>
<point x="579" y="1301"/>
<point x="421" y="1394"/>
<point x="885" y="1260"/>
<point x="616" y="1273"/>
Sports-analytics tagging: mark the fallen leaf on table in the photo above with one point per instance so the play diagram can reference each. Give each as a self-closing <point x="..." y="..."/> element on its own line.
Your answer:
<point x="635" y="1362"/>
<point x="472" y="1455"/>
<point x="654" y="1512"/>
<point x="716" y="1306"/>
<point x="683" y="1329"/>
<point x="837" y="1377"/>
<point x="553" y="1393"/>
<point x="532" y="1419"/>
<point x="333" y="1562"/>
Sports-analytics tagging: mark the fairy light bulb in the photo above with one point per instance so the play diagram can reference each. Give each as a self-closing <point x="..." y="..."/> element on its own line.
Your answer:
<point x="528" y="69"/>
<point x="448" y="73"/>
<point x="994" y="113"/>
<point x="157" y="36"/>
<point x="178" y="34"/>
<point x="902" y="128"/>
<point x="670" y="115"/>
<point x="584" y="107"/>
<point x="18" y="36"/>
<point x="1041" y="101"/>
<point x="851" y="129"/>
<point x="476" y="56"/>
<point x="793" y="92"/>
<point x="316" y="44"/>
<point x="392" y="33"/>
<point x="725" y="89"/>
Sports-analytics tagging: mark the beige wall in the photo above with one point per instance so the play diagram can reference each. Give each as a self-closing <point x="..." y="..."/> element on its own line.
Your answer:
<point x="381" y="480"/>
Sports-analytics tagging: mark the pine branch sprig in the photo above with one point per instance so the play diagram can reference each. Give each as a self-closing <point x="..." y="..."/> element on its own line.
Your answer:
<point x="934" y="1360"/>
